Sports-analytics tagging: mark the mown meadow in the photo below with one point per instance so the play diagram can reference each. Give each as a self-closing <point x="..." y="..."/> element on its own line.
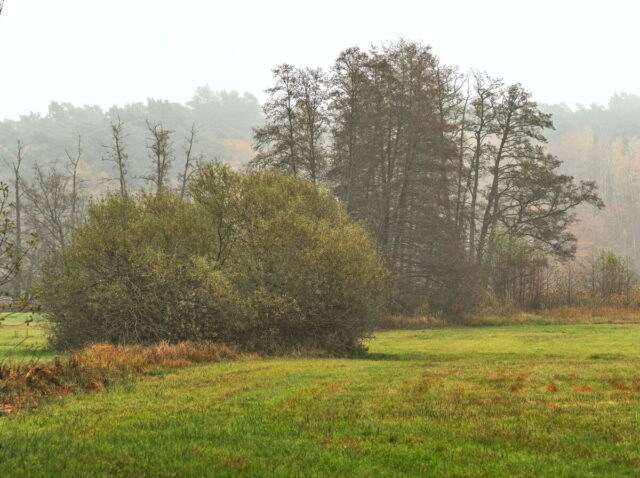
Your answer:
<point x="524" y="400"/>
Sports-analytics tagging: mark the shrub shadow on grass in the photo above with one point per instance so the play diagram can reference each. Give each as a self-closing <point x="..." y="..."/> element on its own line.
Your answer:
<point x="387" y="357"/>
<point x="608" y="356"/>
<point x="413" y="357"/>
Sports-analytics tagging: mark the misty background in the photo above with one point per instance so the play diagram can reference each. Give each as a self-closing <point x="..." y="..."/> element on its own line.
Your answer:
<point x="65" y="64"/>
<point x="116" y="52"/>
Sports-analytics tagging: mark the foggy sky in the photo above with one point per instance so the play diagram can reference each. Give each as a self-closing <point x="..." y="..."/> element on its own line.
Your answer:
<point x="118" y="51"/>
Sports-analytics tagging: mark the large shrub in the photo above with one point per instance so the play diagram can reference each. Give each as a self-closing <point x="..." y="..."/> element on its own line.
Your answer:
<point x="137" y="272"/>
<point x="261" y="260"/>
<point x="310" y="278"/>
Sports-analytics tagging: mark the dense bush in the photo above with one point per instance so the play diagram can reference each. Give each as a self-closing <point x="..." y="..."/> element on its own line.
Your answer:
<point x="136" y="272"/>
<point x="261" y="260"/>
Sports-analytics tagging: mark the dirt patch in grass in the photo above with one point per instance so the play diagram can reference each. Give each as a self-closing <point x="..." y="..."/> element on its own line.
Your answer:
<point x="520" y="384"/>
<point x="582" y="389"/>
<point x="552" y="387"/>
<point x="24" y="386"/>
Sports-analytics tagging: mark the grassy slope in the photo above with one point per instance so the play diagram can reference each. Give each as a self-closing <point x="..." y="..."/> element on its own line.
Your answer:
<point x="445" y="402"/>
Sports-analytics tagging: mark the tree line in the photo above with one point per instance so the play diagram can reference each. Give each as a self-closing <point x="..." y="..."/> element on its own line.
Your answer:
<point x="442" y="168"/>
<point x="449" y="172"/>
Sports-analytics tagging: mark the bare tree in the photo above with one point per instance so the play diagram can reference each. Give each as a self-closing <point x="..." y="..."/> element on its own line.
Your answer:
<point x="15" y="164"/>
<point x="117" y="154"/>
<point x="76" y="184"/>
<point x="10" y="257"/>
<point x="161" y="154"/>
<point x="189" y="160"/>
<point x="49" y="205"/>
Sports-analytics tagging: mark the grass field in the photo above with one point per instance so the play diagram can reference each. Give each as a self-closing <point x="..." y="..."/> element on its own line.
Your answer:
<point x="22" y="337"/>
<point x="488" y="401"/>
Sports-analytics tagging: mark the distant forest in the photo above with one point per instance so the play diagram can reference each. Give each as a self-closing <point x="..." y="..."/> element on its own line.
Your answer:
<point x="602" y="143"/>
<point x="223" y="122"/>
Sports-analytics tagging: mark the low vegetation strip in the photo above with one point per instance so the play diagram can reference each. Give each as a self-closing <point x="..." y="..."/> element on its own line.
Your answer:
<point x="24" y="385"/>
<point x="563" y="315"/>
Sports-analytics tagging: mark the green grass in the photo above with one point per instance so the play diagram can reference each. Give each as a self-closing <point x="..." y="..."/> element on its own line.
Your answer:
<point x="444" y="402"/>
<point x="22" y="338"/>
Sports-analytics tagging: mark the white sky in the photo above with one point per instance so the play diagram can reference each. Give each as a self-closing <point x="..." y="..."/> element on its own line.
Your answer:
<point x="117" y="51"/>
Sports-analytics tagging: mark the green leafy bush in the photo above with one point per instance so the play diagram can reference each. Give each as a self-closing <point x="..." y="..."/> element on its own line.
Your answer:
<point x="263" y="261"/>
<point x="137" y="272"/>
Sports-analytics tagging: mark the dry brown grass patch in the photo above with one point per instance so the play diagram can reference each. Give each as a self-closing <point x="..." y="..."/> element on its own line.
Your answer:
<point x="93" y="368"/>
<point x="520" y="383"/>
<point x="517" y="387"/>
<point x="582" y="389"/>
<point x="552" y="387"/>
<point x="139" y="358"/>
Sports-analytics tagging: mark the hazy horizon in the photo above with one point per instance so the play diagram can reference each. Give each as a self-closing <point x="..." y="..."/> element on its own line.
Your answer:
<point x="118" y="52"/>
